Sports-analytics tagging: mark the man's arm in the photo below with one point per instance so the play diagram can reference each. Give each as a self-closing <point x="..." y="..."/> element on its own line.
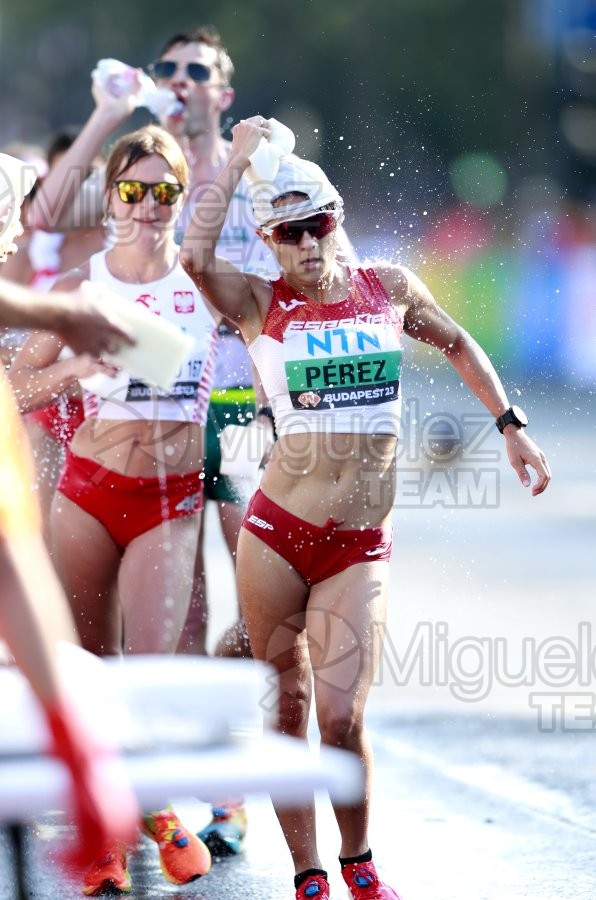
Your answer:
<point x="68" y="198"/>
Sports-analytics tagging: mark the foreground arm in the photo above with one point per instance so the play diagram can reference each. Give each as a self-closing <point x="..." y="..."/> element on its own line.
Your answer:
<point x="34" y="616"/>
<point x="76" y="316"/>
<point x="38" y="375"/>
<point x="425" y="321"/>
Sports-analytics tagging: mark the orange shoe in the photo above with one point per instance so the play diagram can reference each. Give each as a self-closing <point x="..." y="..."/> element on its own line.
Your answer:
<point x="108" y="875"/>
<point x="182" y="856"/>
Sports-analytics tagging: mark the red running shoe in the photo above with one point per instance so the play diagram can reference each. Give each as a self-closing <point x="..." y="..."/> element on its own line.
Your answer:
<point x="314" y="888"/>
<point x="363" y="883"/>
<point x="108" y="875"/>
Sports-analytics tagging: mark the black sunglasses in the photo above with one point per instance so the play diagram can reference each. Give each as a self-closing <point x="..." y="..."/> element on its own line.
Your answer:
<point x="318" y="226"/>
<point x="164" y="192"/>
<point x="165" y="68"/>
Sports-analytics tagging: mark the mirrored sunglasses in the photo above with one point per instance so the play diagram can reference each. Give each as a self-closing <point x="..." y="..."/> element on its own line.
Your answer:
<point x="318" y="226"/>
<point x="165" y="68"/>
<point x="164" y="192"/>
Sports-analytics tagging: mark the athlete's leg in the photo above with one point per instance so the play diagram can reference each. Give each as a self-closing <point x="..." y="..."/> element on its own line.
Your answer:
<point x="345" y="621"/>
<point x="48" y="454"/>
<point x="154" y="585"/>
<point x="231" y="515"/>
<point x="234" y="641"/>
<point x="193" y="639"/>
<point x="87" y="561"/>
<point x="273" y="600"/>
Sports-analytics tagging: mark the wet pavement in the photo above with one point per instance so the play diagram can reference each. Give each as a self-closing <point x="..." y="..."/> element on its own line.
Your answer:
<point x="465" y="808"/>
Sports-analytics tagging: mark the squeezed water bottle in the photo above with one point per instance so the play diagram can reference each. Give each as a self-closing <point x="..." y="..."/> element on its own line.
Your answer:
<point x="119" y="80"/>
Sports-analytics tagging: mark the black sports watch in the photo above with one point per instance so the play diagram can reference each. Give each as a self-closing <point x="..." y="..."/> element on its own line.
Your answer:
<point x="512" y="416"/>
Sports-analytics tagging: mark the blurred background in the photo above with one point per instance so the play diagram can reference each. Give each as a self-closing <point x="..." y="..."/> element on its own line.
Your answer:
<point x="461" y="134"/>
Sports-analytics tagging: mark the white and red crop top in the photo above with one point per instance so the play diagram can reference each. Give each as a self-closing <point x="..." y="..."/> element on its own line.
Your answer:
<point x="177" y="299"/>
<point x="332" y="367"/>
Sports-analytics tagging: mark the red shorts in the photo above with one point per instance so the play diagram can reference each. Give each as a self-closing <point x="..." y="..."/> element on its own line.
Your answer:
<point x="128" y="507"/>
<point x="316" y="552"/>
<point x="60" y="418"/>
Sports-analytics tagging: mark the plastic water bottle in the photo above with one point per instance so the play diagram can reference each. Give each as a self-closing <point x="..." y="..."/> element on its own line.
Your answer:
<point x="119" y="80"/>
<point x="265" y="159"/>
<point x="161" y="347"/>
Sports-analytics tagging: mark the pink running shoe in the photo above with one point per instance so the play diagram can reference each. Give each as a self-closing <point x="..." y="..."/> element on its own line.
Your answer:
<point x="363" y="883"/>
<point x="314" y="888"/>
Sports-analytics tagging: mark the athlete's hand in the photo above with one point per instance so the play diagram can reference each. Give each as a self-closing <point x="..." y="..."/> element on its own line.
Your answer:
<point x="523" y="452"/>
<point x="117" y="103"/>
<point x="246" y="136"/>
<point x="84" y="366"/>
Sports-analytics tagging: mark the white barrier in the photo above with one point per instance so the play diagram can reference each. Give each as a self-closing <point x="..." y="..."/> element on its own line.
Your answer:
<point x="188" y="726"/>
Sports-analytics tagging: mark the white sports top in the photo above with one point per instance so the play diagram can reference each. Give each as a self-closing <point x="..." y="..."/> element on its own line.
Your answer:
<point x="332" y="367"/>
<point x="177" y="299"/>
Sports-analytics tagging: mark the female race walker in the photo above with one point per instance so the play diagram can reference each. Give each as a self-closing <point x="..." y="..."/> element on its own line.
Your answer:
<point x="315" y="543"/>
<point x="126" y="514"/>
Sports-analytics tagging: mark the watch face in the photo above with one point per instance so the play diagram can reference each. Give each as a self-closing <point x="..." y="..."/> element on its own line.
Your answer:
<point x="519" y="415"/>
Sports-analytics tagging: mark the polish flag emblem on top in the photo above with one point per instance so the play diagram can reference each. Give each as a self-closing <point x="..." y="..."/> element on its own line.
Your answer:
<point x="184" y="301"/>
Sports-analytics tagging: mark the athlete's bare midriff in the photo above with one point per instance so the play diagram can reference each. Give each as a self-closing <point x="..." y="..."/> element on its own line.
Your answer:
<point x="347" y="477"/>
<point x="141" y="448"/>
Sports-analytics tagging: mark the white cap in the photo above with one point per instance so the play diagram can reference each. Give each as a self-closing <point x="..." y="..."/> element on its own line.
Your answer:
<point x="16" y="180"/>
<point x="295" y="175"/>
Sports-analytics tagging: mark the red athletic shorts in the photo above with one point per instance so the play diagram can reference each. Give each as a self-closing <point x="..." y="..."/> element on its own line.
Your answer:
<point x="60" y="418"/>
<point x="316" y="552"/>
<point x="128" y="507"/>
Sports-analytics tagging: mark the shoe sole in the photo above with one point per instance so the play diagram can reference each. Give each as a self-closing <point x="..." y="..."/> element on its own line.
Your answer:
<point x="107" y="889"/>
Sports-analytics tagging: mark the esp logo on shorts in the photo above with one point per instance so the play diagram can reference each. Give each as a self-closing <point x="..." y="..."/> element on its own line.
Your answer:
<point x="260" y="523"/>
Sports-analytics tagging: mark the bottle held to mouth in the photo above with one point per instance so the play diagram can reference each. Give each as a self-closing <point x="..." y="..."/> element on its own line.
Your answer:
<point x="120" y="80"/>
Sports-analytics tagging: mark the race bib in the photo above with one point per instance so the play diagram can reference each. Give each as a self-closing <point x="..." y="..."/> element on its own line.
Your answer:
<point x="185" y="387"/>
<point x="352" y="365"/>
